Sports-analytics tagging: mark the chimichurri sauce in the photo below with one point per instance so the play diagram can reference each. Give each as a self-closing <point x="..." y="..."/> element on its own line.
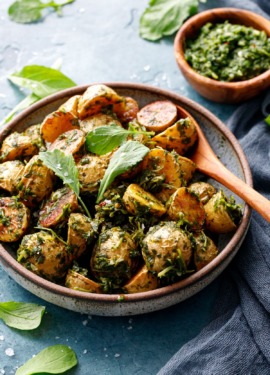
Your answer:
<point x="228" y="52"/>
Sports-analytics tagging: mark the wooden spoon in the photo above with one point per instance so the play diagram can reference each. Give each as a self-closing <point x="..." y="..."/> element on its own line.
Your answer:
<point x="208" y="163"/>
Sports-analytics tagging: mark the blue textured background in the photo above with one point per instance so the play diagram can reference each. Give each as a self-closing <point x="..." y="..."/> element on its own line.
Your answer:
<point x="98" y="41"/>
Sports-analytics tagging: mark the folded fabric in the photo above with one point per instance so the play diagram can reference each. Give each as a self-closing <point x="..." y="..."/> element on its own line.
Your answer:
<point x="237" y="341"/>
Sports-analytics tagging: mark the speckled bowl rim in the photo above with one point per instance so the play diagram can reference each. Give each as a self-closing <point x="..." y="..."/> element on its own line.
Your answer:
<point x="179" y="49"/>
<point x="9" y="261"/>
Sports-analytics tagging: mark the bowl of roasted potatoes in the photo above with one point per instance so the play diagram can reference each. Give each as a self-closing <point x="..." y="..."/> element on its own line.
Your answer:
<point x="103" y="211"/>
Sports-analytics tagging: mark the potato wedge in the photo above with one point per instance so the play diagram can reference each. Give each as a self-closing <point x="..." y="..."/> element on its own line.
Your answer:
<point x="185" y="206"/>
<point x="203" y="190"/>
<point x="58" y="207"/>
<point x="138" y="201"/>
<point x="14" y="219"/>
<point x="167" y="250"/>
<point x="130" y="110"/>
<point x="34" y="133"/>
<point x="36" y="182"/>
<point x="71" y="143"/>
<point x="98" y="97"/>
<point x="10" y="174"/>
<point x="179" y="137"/>
<point x="77" y="281"/>
<point x="45" y="255"/>
<point x="158" y="116"/>
<point x="221" y="214"/>
<point x="17" y="146"/>
<point x="142" y="281"/>
<point x="80" y="233"/>
<point x="205" y="250"/>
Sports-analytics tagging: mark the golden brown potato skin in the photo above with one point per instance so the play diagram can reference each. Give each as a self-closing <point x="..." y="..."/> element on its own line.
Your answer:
<point x="100" y="119"/>
<point x="36" y="182"/>
<point x="17" y="146"/>
<point x="142" y="281"/>
<point x="137" y="200"/>
<point x="76" y="281"/>
<point x="80" y="232"/>
<point x="163" y="245"/>
<point x="183" y="205"/>
<point x="218" y="219"/>
<point x="180" y="137"/>
<point x="45" y="255"/>
<point x="14" y="219"/>
<point x="70" y="143"/>
<point x="205" y="250"/>
<point x="97" y="97"/>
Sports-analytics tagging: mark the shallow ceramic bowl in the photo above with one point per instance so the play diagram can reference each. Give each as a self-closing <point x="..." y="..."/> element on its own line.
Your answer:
<point x="222" y="92"/>
<point x="230" y="153"/>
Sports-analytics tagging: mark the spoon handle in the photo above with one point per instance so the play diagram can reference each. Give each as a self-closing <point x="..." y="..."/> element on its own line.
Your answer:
<point x="216" y="170"/>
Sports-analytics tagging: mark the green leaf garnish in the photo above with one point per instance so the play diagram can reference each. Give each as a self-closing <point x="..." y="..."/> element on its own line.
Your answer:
<point x="27" y="11"/>
<point x="127" y="156"/>
<point x="41" y="81"/>
<point x="52" y="360"/>
<point x="24" y="316"/>
<point x="107" y="138"/>
<point x="267" y="120"/>
<point x="164" y="17"/>
<point x="64" y="167"/>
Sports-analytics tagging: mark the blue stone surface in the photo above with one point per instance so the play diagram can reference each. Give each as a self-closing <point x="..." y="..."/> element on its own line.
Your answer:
<point x="98" y="41"/>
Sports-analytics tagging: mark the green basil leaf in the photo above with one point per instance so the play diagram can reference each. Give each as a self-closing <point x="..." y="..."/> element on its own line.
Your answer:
<point x="41" y="80"/>
<point x="52" y="360"/>
<point x="24" y="316"/>
<point x="63" y="166"/>
<point x="164" y="17"/>
<point x="267" y="120"/>
<point x="105" y="139"/>
<point x="27" y="11"/>
<point x="126" y="157"/>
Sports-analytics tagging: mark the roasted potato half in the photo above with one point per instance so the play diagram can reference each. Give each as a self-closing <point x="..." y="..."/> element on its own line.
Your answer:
<point x="45" y="255"/>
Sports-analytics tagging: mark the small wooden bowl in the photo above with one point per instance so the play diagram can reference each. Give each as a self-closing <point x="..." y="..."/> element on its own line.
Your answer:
<point x="221" y="92"/>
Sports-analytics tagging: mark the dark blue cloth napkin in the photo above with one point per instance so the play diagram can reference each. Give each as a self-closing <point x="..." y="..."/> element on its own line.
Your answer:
<point x="237" y="341"/>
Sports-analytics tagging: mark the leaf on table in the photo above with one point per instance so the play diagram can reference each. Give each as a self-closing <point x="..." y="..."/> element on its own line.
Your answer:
<point x="41" y="80"/>
<point x="267" y="120"/>
<point x="164" y="17"/>
<point x="20" y="315"/>
<point x="52" y="360"/>
<point x="27" y="11"/>
<point x="126" y="157"/>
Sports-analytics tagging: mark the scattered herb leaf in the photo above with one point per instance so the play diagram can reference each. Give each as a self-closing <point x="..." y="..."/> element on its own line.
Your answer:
<point x="20" y="315"/>
<point x="164" y="17"/>
<point x="64" y="167"/>
<point x="42" y="81"/>
<point x="106" y="138"/>
<point x="267" y="120"/>
<point x="27" y="11"/>
<point x="52" y="360"/>
<point x="126" y="157"/>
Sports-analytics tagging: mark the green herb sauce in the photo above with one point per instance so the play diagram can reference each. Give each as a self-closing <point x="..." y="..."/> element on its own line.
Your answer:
<point x="228" y="52"/>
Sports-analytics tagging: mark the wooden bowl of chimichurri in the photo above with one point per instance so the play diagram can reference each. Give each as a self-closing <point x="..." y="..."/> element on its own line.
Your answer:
<point x="224" y="54"/>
